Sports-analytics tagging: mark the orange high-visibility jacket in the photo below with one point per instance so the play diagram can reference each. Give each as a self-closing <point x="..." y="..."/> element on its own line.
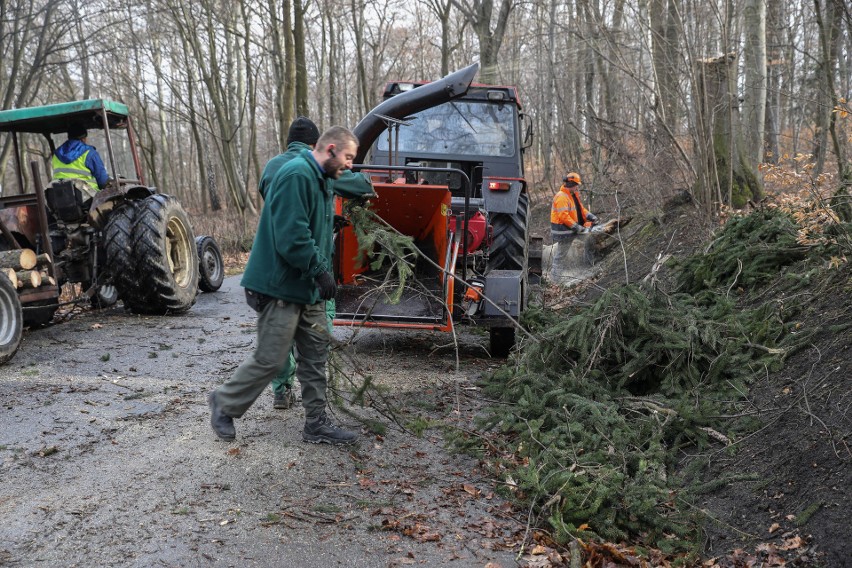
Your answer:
<point x="564" y="209"/>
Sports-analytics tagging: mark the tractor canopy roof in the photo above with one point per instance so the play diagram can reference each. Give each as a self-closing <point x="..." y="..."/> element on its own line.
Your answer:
<point x="57" y="118"/>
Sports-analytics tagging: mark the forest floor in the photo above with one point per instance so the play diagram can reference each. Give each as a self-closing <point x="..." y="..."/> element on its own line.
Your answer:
<point x="107" y="456"/>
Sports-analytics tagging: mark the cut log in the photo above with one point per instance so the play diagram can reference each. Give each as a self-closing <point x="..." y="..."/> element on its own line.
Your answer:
<point x="10" y="274"/>
<point x="29" y="278"/>
<point x="19" y="259"/>
<point x="613" y="225"/>
<point x="46" y="278"/>
<point x="43" y="260"/>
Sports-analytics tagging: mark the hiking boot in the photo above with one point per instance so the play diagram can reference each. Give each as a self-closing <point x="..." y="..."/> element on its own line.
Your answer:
<point x="284" y="400"/>
<point x="323" y="430"/>
<point x="222" y="424"/>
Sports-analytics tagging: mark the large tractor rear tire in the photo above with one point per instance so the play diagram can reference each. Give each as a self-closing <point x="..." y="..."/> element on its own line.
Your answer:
<point x="11" y="320"/>
<point x="509" y="251"/>
<point x="118" y="242"/>
<point x="510" y="238"/>
<point x="165" y="253"/>
<point x="210" y="263"/>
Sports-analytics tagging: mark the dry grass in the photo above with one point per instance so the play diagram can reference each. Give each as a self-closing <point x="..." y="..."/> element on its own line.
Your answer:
<point x="232" y="230"/>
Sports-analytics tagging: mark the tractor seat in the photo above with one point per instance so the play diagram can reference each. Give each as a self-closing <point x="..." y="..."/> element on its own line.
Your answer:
<point x="69" y="199"/>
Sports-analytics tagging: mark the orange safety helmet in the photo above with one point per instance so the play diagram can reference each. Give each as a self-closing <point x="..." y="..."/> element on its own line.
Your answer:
<point x="572" y="177"/>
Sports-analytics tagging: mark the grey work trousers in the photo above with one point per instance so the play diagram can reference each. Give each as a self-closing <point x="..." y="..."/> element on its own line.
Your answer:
<point x="279" y="325"/>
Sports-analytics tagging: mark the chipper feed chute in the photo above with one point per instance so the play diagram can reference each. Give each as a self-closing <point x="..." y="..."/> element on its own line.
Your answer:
<point x="418" y="211"/>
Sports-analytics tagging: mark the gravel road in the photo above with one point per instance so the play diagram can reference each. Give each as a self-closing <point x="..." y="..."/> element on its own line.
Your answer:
<point x="107" y="457"/>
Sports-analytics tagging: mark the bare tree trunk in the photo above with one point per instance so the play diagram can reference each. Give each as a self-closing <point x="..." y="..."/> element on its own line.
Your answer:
<point x="775" y="64"/>
<point x="479" y="14"/>
<point x="84" y="54"/>
<point x="829" y="35"/>
<point x="358" y="7"/>
<point x="665" y="45"/>
<point x="549" y="122"/>
<point x="206" y="174"/>
<point x="754" y="101"/>
<point x="443" y="10"/>
<point x="282" y="45"/>
<point x="587" y="25"/>
<point x="299" y="58"/>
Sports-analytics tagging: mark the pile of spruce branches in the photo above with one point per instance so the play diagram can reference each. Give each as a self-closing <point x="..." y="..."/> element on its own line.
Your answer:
<point x="593" y="418"/>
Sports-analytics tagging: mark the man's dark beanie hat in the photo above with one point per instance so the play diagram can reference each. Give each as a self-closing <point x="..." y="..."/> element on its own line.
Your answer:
<point x="303" y="130"/>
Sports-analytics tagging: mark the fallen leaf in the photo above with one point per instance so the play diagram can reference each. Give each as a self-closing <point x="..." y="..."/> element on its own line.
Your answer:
<point x="792" y="543"/>
<point x="471" y="490"/>
<point x="583" y="527"/>
<point x="774" y="527"/>
<point x="96" y="326"/>
<point x="234" y="452"/>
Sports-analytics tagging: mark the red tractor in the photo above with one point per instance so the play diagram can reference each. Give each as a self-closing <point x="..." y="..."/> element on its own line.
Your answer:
<point x="446" y="161"/>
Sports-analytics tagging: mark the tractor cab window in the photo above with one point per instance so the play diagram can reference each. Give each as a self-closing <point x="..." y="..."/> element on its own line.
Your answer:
<point x="458" y="128"/>
<point x="121" y="150"/>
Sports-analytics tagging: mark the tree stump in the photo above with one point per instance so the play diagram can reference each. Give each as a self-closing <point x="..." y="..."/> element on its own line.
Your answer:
<point x="727" y="175"/>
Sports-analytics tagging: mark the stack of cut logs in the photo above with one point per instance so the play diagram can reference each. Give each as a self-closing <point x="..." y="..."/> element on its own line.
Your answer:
<point x="25" y="268"/>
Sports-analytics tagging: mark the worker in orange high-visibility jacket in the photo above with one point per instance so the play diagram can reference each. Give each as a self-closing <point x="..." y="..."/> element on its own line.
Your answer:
<point x="568" y="217"/>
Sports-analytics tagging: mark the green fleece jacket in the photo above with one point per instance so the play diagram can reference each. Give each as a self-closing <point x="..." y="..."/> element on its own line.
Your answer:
<point x="349" y="185"/>
<point x="293" y="244"/>
<point x="273" y="165"/>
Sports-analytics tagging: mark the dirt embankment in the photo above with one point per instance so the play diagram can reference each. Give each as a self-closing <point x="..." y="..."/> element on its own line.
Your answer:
<point x="779" y="494"/>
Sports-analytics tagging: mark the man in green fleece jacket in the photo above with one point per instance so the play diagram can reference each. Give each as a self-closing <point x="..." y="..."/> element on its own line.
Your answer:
<point x="302" y="135"/>
<point x="288" y="279"/>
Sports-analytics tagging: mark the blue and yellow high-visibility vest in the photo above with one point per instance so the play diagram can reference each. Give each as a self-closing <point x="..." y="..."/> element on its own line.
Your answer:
<point x="75" y="170"/>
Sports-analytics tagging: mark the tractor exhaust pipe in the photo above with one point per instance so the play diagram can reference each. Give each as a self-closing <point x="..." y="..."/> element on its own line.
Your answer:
<point x="410" y="102"/>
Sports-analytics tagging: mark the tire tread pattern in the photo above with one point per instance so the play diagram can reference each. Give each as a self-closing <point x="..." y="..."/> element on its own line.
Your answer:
<point x="209" y="280"/>
<point x="158" y="291"/>
<point x="509" y="243"/>
<point x="118" y="243"/>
